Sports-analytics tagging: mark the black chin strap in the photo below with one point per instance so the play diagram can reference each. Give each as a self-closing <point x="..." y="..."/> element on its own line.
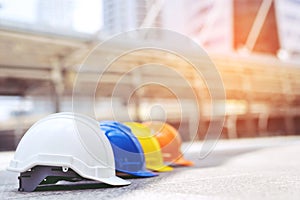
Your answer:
<point x="45" y="175"/>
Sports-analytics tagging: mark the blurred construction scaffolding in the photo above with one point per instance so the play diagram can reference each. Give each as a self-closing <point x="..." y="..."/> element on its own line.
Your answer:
<point x="43" y="46"/>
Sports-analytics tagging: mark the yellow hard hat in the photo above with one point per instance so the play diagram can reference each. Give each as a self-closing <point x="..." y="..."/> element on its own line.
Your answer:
<point x="151" y="147"/>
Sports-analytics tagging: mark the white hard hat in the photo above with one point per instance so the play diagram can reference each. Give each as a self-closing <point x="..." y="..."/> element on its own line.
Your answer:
<point x="68" y="140"/>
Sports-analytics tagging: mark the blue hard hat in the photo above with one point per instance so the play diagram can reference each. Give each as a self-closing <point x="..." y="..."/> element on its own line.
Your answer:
<point x="128" y="152"/>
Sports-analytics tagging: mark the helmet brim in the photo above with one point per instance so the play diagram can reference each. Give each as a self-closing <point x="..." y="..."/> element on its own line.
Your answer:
<point x="183" y="162"/>
<point x="114" y="180"/>
<point x="162" y="168"/>
<point x="144" y="173"/>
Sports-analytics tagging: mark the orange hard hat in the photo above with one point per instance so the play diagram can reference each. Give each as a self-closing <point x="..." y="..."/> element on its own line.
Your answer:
<point x="169" y="141"/>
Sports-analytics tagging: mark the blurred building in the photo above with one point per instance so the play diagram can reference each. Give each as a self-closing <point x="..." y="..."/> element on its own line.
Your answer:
<point x="41" y="53"/>
<point x="245" y="12"/>
<point x="207" y="22"/>
<point x="288" y="17"/>
<point x="119" y="16"/>
<point x="220" y="26"/>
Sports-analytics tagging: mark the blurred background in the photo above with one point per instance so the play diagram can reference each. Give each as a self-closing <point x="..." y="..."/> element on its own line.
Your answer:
<point x="255" y="45"/>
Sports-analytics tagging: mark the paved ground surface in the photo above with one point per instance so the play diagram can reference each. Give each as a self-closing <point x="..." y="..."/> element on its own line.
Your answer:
<point x="264" y="168"/>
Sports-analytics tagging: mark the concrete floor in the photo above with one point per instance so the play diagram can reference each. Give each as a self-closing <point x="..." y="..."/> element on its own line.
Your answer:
<point x="262" y="168"/>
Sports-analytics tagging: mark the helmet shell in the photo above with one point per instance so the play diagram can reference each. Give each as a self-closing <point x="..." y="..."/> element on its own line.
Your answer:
<point x="128" y="153"/>
<point x="68" y="140"/>
<point x="150" y="145"/>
